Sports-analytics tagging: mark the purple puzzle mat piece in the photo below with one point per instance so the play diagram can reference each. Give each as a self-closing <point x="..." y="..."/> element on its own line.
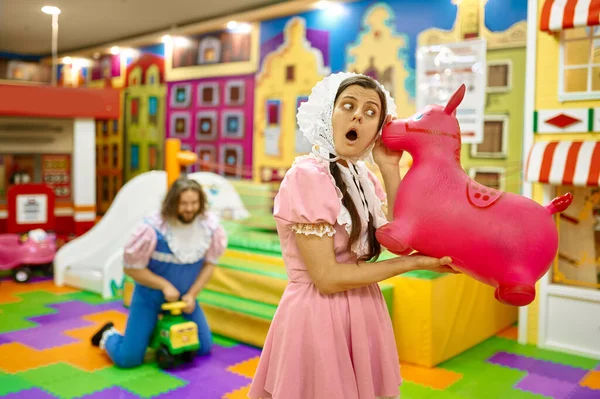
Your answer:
<point x="49" y="336"/>
<point x="540" y="367"/>
<point x="208" y="374"/>
<point x="4" y="340"/>
<point x="213" y="384"/>
<point x="546" y="386"/>
<point x="72" y="309"/>
<point x="584" y="393"/>
<point x="112" y="393"/>
<point x="30" y="393"/>
<point x="220" y="357"/>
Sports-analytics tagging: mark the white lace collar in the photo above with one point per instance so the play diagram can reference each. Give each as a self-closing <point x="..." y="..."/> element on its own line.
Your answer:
<point x="188" y="242"/>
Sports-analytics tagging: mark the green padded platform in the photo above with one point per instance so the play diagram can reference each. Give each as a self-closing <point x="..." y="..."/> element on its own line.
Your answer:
<point x="251" y="239"/>
<point x="261" y="282"/>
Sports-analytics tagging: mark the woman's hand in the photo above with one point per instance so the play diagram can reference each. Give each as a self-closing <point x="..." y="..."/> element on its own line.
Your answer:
<point x="383" y="156"/>
<point x="420" y="262"/>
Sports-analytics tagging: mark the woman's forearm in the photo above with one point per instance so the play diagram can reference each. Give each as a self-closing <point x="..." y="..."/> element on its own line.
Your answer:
<point x="346" y="276"/>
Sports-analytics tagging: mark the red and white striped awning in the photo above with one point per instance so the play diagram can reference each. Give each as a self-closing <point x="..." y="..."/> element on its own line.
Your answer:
<point x="564" y="163"/>
<point x="564" y="14"/>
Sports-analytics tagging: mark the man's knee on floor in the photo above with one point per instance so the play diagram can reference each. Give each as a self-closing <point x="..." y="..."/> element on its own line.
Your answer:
<point x="129" y="360"/>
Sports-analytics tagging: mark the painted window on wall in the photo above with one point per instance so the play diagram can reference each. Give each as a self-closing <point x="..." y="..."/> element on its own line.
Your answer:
<point x="209" y="50"/>
<point x="231" y="160"/>
<point x="135" y="110"/>
<point x="578" y="262"/>
<point x="273" y="109"/>
<point x="235" y="93"/>
<point x="105" y="189"/>
<point x="152" y="157"/>
<point x="135" y="157"/>
<point x="208" y="94"/>
<point x="153" y="110"/>
<point x="273" y="129"/>
<point x="290" y="73"/>
<point x="115" y="124"/>
<point x="580" y="63"/>
<point x="181" y="95"/>
<point x="232" y="124"/>
<point x="498" y="76"/>
<point x="105" y="128"/>
<point x="495" y="134"/>
<point x="302" y="144"/>
<point x="180" y="124"/>
<point x="206" y="125"/>
<point x="105" y="155"/>
<point x="115" y="155"/>
<point x="207" y="157"/>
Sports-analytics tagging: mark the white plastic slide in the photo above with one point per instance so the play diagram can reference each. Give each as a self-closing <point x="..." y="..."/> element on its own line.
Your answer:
<point x="94" y="261"/>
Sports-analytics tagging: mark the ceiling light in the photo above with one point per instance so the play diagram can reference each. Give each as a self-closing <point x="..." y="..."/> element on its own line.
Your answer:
<point x="231" y="25"/>
<point x="51" y="10"/>
<point x="166" y="38"/>
<point x="114" y="50"/>
<point x="182" y="42"/>
<point x="67" y="60"/>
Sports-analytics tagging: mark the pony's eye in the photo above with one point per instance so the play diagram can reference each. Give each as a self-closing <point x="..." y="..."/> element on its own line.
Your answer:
<point x="418" y="116"/>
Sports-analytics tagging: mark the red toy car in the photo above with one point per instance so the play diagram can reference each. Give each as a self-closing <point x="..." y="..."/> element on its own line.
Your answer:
<point x="22" y="254"/>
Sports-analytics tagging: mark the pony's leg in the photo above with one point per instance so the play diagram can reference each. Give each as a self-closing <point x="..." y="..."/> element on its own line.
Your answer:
<point x="394" y="238"/>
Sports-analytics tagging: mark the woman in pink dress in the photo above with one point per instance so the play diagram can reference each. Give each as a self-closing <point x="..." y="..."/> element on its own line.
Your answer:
<point x="332" y="337"/>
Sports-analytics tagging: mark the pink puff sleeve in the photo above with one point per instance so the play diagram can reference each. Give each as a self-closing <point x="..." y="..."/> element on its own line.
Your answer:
<point x="307" y="200"/>
<point x="140" y="247"/>
<point x="218" y="242"/>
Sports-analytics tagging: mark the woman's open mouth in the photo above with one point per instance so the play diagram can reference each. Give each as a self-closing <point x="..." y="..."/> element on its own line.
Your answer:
<point x="352" y="135"/>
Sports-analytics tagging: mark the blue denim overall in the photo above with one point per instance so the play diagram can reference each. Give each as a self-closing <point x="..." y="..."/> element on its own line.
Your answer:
<point x="129" y="350"/>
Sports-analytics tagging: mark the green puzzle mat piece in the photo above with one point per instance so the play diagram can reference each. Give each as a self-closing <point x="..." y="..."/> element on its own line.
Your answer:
<point x="10" y="383"/>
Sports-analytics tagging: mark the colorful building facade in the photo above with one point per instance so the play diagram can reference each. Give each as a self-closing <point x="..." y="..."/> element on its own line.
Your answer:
<point x="144" y="101"/>
<point x="562" y="142"/>
<point x="380" y="52"/>
<point x="109" y="162"/>
<point x="214" y="118"/>
<point x="108" y="72"/>
<point x="496" y="161"/>
<point x="289" y="71"/>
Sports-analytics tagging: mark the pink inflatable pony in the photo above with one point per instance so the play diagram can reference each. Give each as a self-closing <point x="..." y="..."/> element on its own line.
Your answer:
<point x="501" y="239"/>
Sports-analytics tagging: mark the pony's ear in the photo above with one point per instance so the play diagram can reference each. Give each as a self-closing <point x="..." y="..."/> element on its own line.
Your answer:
<point x="455" y="100"/>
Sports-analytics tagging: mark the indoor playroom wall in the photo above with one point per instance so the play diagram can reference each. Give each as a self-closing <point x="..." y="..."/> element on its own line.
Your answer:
<point x="210" y="98"/>
<point x="144" y="111"/>
<point x="380" y="39"/>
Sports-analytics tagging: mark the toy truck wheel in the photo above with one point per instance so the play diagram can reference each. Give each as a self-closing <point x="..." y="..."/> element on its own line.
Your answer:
<point x="48" y="270"/>
<point x="188" y="357"/>
<point x="164" y="358"/>
<point x="22" y="274"/>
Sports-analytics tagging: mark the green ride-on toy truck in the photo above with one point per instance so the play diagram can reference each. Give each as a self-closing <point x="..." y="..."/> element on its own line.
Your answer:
<point x="175" y="338"/>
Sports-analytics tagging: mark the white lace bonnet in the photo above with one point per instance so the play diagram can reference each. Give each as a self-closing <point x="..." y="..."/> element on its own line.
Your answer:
<point x="314" y="116"/>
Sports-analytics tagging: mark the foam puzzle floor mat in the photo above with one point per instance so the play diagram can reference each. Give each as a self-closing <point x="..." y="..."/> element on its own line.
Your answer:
<point x="45" y="353"/>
